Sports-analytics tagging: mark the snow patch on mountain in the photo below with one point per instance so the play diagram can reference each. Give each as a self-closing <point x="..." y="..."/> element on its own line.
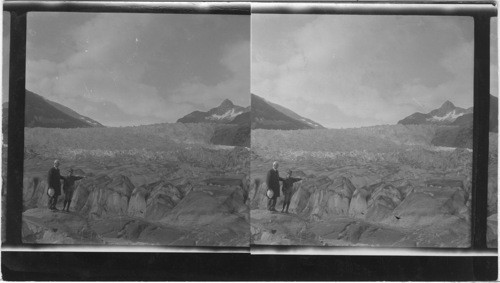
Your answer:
<point x="450" y="116"/>
<point x="229" y="115"/>
<point x="308" y="122"/>
<point x="90" y="121"/>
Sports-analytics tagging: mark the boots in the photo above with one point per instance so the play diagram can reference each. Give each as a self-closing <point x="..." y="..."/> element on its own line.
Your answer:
<point x="52" y="203"/>
<point x="66" y="205"/>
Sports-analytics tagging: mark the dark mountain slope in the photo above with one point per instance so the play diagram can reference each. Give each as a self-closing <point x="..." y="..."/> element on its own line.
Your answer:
<point x="41" y="112"/>
<point x="265" y="116"/>
<point x="74" y="114"/>
<point x="242" y="119"/>
<point x="296" y="116"/>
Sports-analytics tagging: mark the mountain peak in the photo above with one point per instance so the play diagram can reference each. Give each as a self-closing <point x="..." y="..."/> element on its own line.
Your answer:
<point x="224" y="113"/>
<point x="226" y="103"/>
<point x="444" y="115"/>
<point x="448" y="105"/>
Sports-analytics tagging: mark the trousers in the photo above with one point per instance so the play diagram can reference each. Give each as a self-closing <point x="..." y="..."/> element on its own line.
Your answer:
<point x="53" y="201"/>
<point x="271" y="203"/>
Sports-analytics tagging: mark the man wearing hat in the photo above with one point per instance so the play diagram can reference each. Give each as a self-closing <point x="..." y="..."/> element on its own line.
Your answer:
<point x="54" y="182"/>
<point x="69" y="188"/>
<point x="273" y="183"/>
<point x="288" y="189"/>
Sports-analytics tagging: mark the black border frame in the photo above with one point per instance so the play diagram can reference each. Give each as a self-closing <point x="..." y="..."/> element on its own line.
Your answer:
<point x="37" y="265"/>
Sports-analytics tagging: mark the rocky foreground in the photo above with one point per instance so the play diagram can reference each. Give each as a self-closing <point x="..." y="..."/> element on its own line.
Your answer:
<point x="155" y="204"/>
<point x="383" y="195"/>
<point x="366" y="211"/>
<point x="163" y="184"/>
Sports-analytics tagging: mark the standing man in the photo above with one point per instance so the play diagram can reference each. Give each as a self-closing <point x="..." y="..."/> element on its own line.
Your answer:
<point x="273" y="183"/>
<point x="54" y="181"/>
<point x="69" y="188"/>
<point x="288" y="189"/>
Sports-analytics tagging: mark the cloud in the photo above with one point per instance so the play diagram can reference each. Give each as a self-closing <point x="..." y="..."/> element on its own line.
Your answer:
<point x="5" y="55"/>
<point x="194" y="93"/>
<point x="494" y="57"/>
<point x="148" y="68"/>
<point x="371" y="69"/>
<point x="101" y="69"/>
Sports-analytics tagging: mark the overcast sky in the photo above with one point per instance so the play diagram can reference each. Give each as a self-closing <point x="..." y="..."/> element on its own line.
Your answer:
<point x="132" y="69"/>
<point x="494" y="56"/>
<point x="352" y="71"/>
<point x="5" y="55"/>
<point x="341" y="71"/>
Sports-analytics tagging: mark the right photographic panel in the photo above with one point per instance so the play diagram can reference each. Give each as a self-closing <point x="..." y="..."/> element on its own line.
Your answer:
<point x="492" y="226"/>
<point x="362" y="131"/>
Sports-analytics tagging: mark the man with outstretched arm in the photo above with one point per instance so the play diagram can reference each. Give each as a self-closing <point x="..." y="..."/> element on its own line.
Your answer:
<point x="273" y="183"/>
<point x="54" y="185"/>
<point x="69" y="188"/>
<point x="288" y="189"/>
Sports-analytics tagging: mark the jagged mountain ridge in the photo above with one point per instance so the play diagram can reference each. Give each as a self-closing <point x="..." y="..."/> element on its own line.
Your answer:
<point x="444" y="115"/>
<point x="225" y="113"/>
<point x="236" y="132"/>
<point x="267" y="115"/>
<point x="460" y="120"/>
<point x="41" y="112"/>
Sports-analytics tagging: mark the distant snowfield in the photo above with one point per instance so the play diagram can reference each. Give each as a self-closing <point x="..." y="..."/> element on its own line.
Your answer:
<point x="89" y="121"/>
<point x="229" y="115"/>
<point x="451" y="116"/>
<point x="312" y="124"/>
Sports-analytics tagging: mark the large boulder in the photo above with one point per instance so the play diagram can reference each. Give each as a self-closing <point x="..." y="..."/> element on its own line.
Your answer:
<point x="162" y="199"/>
<point x="359" y="203"/>
<point x="137" y="203"/>
<point x="107" y="197"/>
<point x="154" y="201"/>
<point x="85" y="188"/>
<point x="34" y="192"/>
<point x="428" y="205"/>
<point x="206" y="204"/>
<point x="308" y="195"/>
<point x="384" y="199"/>
<point x="329" y="198"/>
<point x="257" y="194"/>
<point x="299" y="199"/>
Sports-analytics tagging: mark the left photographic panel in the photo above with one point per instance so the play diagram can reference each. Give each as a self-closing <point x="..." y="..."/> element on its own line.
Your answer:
<point x="137" y="129"/>
<point x="5" y="95"/>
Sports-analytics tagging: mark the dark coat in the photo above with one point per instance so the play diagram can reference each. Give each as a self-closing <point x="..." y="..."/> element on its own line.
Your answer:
<point x="54" y="180"/>
<point x="288" y="184"/>
<point x="273" y="182"/>
<point x="69" y="183"/>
